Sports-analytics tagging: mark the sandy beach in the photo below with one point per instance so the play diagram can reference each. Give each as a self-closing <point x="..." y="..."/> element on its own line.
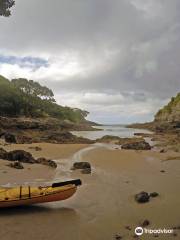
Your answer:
<point x="104" y="205"/>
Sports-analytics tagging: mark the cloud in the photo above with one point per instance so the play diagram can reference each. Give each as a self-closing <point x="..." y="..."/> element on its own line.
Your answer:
<point x="113" y="58"/>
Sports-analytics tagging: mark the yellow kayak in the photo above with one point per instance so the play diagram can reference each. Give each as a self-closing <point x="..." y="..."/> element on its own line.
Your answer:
<point x="26" y="195"/>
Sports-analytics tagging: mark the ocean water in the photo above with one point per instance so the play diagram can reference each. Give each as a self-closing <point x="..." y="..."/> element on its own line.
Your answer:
<point x="114" y="130"/>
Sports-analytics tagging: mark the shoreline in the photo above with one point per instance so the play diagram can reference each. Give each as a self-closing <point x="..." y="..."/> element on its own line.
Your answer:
<point x="104" y="205"/>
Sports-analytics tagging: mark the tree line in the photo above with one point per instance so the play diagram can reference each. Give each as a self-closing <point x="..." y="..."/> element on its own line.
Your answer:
<point x="22" y="97"/>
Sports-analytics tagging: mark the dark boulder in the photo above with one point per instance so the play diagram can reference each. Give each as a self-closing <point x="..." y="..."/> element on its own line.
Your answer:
<point x="81" y="165"/>
<point x="84" y="166"/>
<point x="142" y="197"/>
<point x="10" y="138"/>
<point x="145" y="223"/>
<point x="21" y="156"/>
<point x="16" y="164"/>
<point x="139" y="145"/>
<point x="3" y="154"/>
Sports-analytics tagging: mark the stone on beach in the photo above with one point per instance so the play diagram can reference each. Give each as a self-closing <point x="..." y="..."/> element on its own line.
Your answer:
<point x="10" y="138"/>
<point x="21" y="156"/>
<point x="142" y="197"/>
<point x="139" y="145"/>
<point x="84" y="166"/>
<point x="16" y="164"/>
<point x="154" y="194"/>
<point x="145" y="223"/>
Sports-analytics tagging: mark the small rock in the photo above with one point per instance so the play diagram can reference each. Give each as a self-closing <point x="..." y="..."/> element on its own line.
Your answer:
<point x="142" y="197"/>
<point x="16" y="164"/>
<point x="176" y="227"/>
<point x="162" y="171"/>
<point x="10" y="138"/>
<point x="145" y="223"/>
<point x="162" y="151"/>
<point x="154" y="194"/>
<point x="175" y="234"/>
<point x="118" y="237"/>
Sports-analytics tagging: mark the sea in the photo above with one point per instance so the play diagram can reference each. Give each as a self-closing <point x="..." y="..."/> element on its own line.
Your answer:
<point x="113" y="130"/>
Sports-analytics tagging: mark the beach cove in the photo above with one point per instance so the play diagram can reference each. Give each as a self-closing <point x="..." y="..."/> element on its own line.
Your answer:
<point x="104" y="206"/>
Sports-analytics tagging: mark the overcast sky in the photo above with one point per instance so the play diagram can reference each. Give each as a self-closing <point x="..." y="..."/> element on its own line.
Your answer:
<point x="118" y="59"/>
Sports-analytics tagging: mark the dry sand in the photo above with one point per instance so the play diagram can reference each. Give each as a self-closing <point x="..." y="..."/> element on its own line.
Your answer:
<point x="104" y="205"/>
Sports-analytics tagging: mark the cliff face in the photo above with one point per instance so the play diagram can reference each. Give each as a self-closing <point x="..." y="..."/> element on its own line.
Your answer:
<point x="171" y="112"/>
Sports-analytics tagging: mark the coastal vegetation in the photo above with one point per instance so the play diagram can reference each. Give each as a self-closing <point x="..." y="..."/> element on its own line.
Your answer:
<point x="22" y="97"/>
<point x="5" y="6"/>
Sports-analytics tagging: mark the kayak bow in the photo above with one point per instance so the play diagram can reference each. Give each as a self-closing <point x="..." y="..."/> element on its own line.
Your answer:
<point x="27" y="195"/>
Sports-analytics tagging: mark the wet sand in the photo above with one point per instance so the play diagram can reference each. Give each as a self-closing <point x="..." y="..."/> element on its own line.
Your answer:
<point x="104" y="205"/>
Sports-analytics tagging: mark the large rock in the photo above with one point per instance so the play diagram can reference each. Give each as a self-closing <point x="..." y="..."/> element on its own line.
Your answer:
<point x="3" y="154"/>
<point x="21" y="156"/>
<point x="84" y="166"/>
<point x="139" y="145"/>
<point x="10" y="138"/>
<point x="142" y="197"/>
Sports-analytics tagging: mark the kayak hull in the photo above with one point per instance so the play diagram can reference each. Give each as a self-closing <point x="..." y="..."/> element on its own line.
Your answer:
<point x="50" y="195"/>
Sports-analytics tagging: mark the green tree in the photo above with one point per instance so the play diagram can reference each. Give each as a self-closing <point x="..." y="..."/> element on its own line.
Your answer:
<point x="5" y="6"/>
<point x="31" y="87"/>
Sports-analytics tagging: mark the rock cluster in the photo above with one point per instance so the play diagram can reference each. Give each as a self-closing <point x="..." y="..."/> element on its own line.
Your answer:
<point x="50" y="130"/>
<point x="24" y="157"/>
<point x="139" y="145"/>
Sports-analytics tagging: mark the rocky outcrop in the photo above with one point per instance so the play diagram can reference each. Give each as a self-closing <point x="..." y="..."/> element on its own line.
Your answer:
<point x="22" y="156"/>
<point x="171" y="112"/>
<point x="139" y="145"/>
<point x="64" y="137"/>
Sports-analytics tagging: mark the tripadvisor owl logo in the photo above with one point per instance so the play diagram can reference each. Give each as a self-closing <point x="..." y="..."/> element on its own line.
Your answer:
<point x="139" y="231"/>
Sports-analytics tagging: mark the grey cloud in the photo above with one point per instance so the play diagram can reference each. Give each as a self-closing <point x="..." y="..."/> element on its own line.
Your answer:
<point x="143" y="39"/>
